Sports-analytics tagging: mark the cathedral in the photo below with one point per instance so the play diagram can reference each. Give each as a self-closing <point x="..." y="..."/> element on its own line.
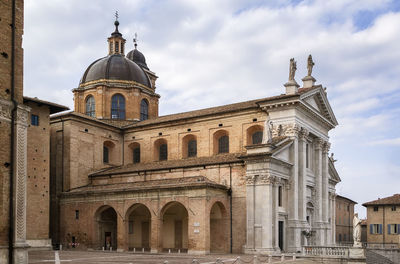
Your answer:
<point x="252" y="177"/>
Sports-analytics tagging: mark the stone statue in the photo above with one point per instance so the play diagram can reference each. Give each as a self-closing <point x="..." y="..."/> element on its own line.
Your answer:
<point x="292" y="69"/>
<point x="268" y="130"/>
<point x="356" y="231"/>
<point x="310" y="65"/>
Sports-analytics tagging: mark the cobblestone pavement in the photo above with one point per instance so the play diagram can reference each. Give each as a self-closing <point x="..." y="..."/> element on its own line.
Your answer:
<point x="91" y="257"/>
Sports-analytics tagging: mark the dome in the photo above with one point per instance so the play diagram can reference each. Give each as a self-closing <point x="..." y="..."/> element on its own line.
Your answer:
<point x="137" y="57"/>
<point x="115" y="67"/>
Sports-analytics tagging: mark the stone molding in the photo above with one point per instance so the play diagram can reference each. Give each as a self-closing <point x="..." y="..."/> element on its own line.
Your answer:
<point x="319" y="143"/>
<point x="326" y="147"/>
<point x="5" y="110"/>
<point x="303" y="134"/>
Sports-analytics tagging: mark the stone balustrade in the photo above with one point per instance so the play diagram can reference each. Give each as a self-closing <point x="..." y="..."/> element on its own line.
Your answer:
<point x="326" y="251"/>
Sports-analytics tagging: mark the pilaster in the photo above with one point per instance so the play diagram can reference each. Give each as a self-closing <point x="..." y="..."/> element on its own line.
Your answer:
<point x="319" y="190"/>
<point x="20" y="165"/>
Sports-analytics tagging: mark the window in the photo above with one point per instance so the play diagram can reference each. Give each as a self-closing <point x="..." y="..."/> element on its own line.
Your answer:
<point x="376" y="208"/>
<point x="77" y="214"/>
<point x="105" y="154"/>
<point x="340" y="237"/>
<point x="393" y="208"/>
<point x="130" y="227"/>
<point x="144" y="110"/>
<point x="256" y="138"/>
<point x="34" y="120"/>
<point x="192" y="148"/>
<point x="116" y="47"/>
<point x="136" y="155"/>
<point x="111" y="47"/>
<point x="393" y="229"/>
<point x="375" y="229"/>
<point x="280" y="196"/>
<point x="348" y="208"/>
<point x="307" y="157"/>
<point x="163" y="152"/>
<point x="117" y="107"/>
<point x="90" y="106"/>
<point x="344" y="237"/>
<point x="223" y="144"/>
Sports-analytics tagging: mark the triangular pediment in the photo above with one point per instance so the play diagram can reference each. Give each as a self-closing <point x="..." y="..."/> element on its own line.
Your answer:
<point x="282" y="152"/>
<point x="317" y="101"/>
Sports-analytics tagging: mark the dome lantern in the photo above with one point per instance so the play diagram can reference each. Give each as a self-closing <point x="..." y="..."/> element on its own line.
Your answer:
<point x="116" y="43"/>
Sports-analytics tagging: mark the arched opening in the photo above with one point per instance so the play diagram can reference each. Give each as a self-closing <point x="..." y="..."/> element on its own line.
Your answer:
<point x="106" y="226"/>
<point x="117" y="107"/>
<point x="218" y="228"/>
<point x="144" y="110"/>
<point x="134" y="150"/>
<point x="254" y="135"/>
<point x="174" y="227"/>
<point x="90" y="108"/>
<point x="160" y="149"/>
<point x="109" y="153"/>
<point x="221" y="142"/>
<point x="139" y="225"/>
<point x="189" y="146"/>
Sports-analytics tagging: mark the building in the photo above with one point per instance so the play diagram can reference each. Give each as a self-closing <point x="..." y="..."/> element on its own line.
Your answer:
<point x="38" y="171"/>
<point x="344" y="220"/>
<point x="253" y="176"/>
<point x="13" y="135"/>
<point x="383" y="220"/>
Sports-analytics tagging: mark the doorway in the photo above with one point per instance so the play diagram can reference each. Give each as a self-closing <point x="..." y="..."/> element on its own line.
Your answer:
<point x="280" y="235"/>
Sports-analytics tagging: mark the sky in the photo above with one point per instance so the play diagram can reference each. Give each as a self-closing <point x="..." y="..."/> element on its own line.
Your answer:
<point x="209" y="53"/>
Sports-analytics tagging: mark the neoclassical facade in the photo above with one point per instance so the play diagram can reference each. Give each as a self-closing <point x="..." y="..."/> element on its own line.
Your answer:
<point x="253" y="176"/>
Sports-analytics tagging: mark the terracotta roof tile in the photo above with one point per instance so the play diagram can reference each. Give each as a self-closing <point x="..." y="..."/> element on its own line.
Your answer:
<point x="391" y="200"/>
<point x="185" y="182"/>
<point x="218" y="109"/>
<point x="169" y="164"/>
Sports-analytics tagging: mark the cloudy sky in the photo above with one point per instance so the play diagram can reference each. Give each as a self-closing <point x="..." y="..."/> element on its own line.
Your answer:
<point x="209" y="53"/>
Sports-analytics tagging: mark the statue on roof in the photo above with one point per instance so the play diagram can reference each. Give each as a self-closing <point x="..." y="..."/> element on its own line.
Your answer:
<point x="310" y="65"/>
<point x="268" y="127"/>
<point x="292" y="69"/>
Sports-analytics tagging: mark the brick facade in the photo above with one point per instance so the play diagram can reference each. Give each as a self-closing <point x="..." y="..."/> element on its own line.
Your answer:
<point x="344" y="219"/>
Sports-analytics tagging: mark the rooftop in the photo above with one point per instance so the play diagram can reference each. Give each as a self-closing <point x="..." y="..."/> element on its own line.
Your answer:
<point x="54" y="108"/>
<point x="391" y="200"/>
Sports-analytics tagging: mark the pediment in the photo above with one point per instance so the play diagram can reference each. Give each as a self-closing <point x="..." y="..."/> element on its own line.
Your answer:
<point x="317" y="101"/>
<point x="283" y="150"/>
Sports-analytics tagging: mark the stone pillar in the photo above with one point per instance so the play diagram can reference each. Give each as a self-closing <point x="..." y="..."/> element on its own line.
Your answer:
<point x="250" y="212"/>
<point x="121" y="234"/>
<point x="325" y="191"/>
<point x="265" y="206"/>
<point x="275" y="212"/>
<point x="319" y="189"/>
<point x="334" y="218"/>
<point x="20" y="164"/>
<point x="154" y="233"/>
<point x="302" y="174"/>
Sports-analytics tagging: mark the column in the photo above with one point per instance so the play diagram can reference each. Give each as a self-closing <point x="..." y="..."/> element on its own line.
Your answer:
<point x="325" y="190"/>
<point x="266" y="208"/>
<point x="154" y="232"/>
<point x="20" y="160"/>
<point x="275" y="212"/>
<point x="302" y="174"/>
<point x="334" y="218"/>
<point x="250" y="210"/>
<point x="319" y="189"/>
<point x="121" y="233"/>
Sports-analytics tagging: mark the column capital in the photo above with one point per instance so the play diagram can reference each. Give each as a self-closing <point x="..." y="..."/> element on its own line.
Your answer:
<point x="250" y="179"/>
<point x="303" y="133"/>
<point x="267" y="179"/>
<point x="319" y="143"/>
<point x="326" y="146"/>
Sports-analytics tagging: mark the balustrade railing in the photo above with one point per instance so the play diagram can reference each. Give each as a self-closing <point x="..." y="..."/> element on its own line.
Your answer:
<point x="326" y="251"/>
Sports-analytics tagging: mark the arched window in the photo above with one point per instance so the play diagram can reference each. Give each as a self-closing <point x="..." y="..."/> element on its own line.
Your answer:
<point x="192" y="148"/>
<point x="144" y="110"/>
<point x="223" y="144"/>
<point x="256" y="138"/>
<point x="136" y="154"/>
<point x="106" y="157"/>
<point x="163" y="152"/>
<point x="90" y="106"/>
<point x="117" y="107"/>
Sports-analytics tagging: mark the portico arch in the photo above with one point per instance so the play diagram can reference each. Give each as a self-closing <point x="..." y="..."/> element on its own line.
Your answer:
<point x="138" y="227"/>
<point x="174" y="230"/>
<point x="218" y="228"/>
<point x="106" y="228"/>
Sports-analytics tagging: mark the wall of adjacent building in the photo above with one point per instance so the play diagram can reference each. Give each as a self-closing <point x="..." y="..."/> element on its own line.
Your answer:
<point x="38" y="177"/>
<point x="383" y="217"/>
<point x="344" y="220"/>
<point x="6" y="106"/>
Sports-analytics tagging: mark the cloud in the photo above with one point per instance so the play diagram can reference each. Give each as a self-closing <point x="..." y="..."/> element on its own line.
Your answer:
<point x="219" y="52"/>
